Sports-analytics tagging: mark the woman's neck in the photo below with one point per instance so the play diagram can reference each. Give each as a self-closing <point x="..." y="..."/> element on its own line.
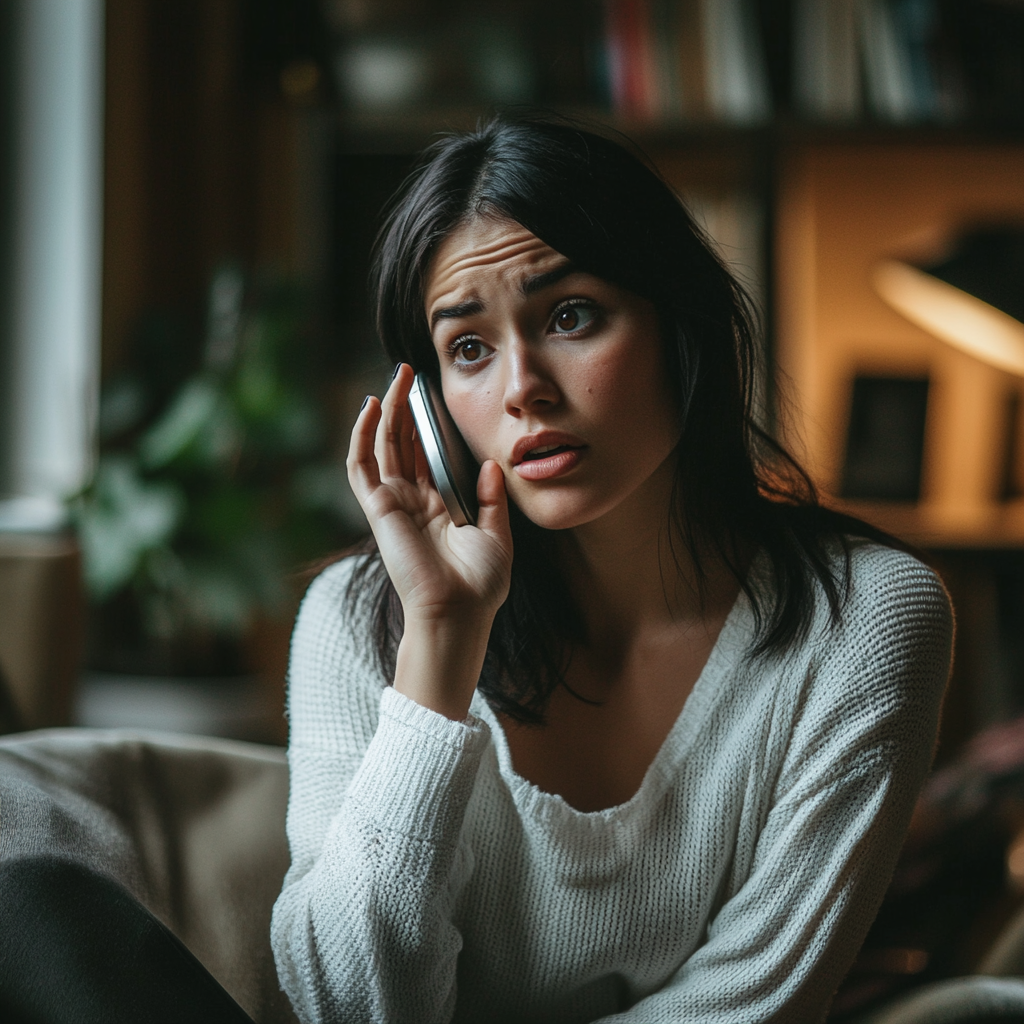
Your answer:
<point x="633" y="574"/>
<point x="650" y="636"/>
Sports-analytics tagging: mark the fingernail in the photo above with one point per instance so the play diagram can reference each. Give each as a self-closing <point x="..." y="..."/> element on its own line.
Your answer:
<point x="394" y="372"/>
<point x="363" y="406"/>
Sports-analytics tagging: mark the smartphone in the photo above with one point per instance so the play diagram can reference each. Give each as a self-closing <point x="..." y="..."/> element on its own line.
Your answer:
<point x="452" y="466"/>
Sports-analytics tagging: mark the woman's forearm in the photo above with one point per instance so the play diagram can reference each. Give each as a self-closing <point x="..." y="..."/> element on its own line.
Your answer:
<point x="363" y="929"/>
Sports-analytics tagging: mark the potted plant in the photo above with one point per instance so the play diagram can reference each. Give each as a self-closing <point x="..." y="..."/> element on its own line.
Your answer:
<point x="212" y="486"/>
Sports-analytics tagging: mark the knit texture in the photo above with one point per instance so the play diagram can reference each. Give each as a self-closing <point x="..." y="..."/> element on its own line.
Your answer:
<point x="430" y="883"/>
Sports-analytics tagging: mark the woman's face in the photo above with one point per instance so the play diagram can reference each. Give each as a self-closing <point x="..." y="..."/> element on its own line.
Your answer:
<point x="555" y="374"/>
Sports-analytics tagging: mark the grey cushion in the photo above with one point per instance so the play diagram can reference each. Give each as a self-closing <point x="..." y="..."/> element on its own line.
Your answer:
<point x="194" y="827"/>
<point x="961" y="1001"/>
<point x="1006" y="957"/>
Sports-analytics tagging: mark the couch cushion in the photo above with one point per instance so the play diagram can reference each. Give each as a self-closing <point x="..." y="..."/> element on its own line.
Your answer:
<point x="193" y="826"/>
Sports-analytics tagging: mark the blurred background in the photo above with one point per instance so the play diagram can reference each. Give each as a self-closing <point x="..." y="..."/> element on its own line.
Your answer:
<point x="188" y="196"/>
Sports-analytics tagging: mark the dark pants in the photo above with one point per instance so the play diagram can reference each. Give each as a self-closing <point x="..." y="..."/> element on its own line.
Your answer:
<point x="77" y="948"/>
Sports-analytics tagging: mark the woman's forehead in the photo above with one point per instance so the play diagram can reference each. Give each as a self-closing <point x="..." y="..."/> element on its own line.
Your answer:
<point x="484" y="247"/>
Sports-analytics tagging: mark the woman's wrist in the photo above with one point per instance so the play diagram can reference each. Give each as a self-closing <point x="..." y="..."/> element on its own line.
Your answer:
<point x="439" y="662"/>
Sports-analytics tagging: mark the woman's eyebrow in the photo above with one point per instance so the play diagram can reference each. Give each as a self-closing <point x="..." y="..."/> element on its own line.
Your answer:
<point x="470" y="308"/>
<point x="530" y="285"/>
<point x="538" y="282"/>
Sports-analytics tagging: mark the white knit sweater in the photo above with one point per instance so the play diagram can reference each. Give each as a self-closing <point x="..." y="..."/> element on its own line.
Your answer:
<point x="430" y="883"/>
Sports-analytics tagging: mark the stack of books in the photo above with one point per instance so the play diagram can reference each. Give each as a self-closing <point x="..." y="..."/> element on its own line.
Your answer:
<point x="895" y="61"/>
<point x="671" y="60"/>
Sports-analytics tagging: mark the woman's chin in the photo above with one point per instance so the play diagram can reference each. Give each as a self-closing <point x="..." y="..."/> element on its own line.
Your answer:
<point x="555" y="512"/>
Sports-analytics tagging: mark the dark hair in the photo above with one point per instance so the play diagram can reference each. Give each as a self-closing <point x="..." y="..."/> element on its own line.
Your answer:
<point x="610" y="213"/>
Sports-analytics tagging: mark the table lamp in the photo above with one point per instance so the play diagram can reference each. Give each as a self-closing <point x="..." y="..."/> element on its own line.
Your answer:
<point x="973" y="300"/>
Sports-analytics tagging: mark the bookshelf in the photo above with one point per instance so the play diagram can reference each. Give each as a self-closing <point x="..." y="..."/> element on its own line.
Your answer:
<point x="682" y="63"/>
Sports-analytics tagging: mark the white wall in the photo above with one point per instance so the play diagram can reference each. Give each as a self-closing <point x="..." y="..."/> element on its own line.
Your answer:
<point x="52" y="321"/>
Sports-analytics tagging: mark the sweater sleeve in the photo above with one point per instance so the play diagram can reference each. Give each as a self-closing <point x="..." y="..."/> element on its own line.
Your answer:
<point x="379" y="785"/>
<point x="860" y="748"/>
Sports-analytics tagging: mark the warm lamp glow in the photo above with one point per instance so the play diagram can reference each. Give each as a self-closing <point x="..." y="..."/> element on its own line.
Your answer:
<point x="955" y="316"/>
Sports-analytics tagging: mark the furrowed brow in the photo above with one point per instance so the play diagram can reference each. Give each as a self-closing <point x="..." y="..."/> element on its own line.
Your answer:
<point x="539" y="282"/>
<point x="470" y="308"/>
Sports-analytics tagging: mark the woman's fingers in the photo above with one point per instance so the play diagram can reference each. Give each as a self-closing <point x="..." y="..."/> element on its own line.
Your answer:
<point x="384" y="451"/>
<point x="490" y="492"/>
<point x="407" y="447"/>
<point x="363" y="471"/>
<point x="393" y="445"/>
<point x="420" y="464"/>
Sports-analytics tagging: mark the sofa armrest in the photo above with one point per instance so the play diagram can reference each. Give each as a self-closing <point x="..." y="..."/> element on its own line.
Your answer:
<point x="192" y="826"/>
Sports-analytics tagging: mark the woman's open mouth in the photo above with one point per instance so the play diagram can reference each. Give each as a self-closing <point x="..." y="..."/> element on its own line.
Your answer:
<point x="548" y="461"/>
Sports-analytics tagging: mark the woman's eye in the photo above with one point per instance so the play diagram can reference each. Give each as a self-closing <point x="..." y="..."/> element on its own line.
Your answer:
<point x="468" y="350"/>
<point x="573" y="318"/>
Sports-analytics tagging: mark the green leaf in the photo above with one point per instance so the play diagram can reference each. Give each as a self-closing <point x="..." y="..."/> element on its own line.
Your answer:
<point x="187" y="417"/>
<point x="217" y="598"/>
<point x="122" y="518"/>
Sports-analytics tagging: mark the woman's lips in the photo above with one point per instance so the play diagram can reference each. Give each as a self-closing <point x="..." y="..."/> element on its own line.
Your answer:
<point x="555" y="464"/>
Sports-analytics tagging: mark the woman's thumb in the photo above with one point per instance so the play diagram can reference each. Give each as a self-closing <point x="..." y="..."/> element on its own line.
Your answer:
<point x="490" y="493"/>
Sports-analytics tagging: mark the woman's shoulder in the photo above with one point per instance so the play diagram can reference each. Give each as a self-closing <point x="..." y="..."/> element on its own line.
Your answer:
<point x="332" y="629"/>
<point x="875" y="586"/>
<point x="332" y="582"/>
<point x="862" y="694"/>
<point x="888" y="583"/>
<point x="334" y="600"/>
<point x="896" y="624"/>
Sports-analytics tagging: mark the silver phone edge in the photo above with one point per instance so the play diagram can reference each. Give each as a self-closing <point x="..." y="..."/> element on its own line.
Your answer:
<point x="435" y="460"/>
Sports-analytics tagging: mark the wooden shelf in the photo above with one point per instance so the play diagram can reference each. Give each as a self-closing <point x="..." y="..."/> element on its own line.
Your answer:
<point x="932" y="526"/>
<point x="410" y="129"/>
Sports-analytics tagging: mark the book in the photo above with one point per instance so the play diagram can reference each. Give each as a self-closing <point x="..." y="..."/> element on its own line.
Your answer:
<point x="632" y="68"/>
<point x="690" y="59"/>
<point x="694" y="59"/>
<point x="826" y="65"/>
<point x="668" y="71"/>
<point x="888" y="79"/>
<point x="736" y="75"/>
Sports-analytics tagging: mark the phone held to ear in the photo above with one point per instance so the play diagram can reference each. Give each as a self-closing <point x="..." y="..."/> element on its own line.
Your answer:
<point x="451" y="465"/>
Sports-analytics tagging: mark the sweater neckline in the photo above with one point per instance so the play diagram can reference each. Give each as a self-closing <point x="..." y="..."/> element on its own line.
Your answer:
<point x="553" y="810"/>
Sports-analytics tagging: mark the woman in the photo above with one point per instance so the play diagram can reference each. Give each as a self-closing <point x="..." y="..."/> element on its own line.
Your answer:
<point x="656" y="724"/>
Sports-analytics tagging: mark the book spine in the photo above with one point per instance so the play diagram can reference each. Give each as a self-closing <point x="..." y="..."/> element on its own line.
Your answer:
<point x="826" y="69"/>
<point x="630" y="66"/>
<point x="737" y="80"/>
<point x="668" y="84"/>
<point x="690" y="60"/>
<point x="886" y="64"/>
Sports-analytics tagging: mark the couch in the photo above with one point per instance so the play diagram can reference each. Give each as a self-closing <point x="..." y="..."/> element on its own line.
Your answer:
<point x="194" y="828"/>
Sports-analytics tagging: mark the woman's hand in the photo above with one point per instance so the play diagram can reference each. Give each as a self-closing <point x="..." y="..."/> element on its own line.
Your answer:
<point x="451" y="580"/>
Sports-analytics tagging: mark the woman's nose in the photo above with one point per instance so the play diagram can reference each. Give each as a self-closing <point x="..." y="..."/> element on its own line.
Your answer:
<point x="529" y="384"/>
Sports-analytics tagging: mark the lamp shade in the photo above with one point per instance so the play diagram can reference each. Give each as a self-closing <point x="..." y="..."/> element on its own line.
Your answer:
<point x="974" y="300"/>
